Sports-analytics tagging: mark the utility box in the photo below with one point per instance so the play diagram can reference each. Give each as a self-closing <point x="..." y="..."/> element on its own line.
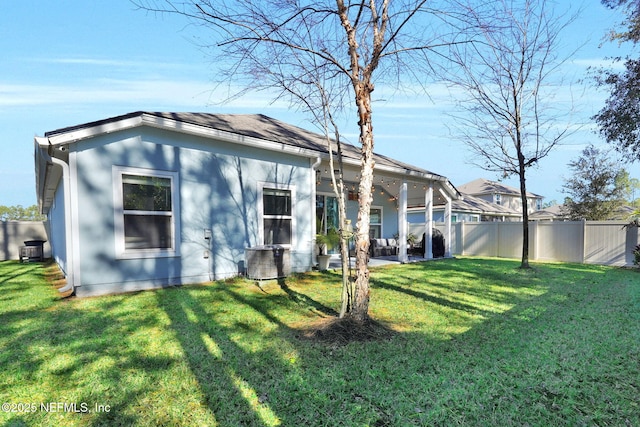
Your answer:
<point x="267" y="262"/>
<point x="32" y="251"/>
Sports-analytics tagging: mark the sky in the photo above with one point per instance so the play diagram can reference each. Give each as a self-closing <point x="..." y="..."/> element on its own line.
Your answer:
<point x="68" y="62"/>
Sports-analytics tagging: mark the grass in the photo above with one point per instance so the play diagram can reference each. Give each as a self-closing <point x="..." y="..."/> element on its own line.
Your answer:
<point x="478" y="342"/>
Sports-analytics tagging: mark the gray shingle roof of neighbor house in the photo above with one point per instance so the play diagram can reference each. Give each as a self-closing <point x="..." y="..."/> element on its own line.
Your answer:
<point x="485" y="186"/>
<point x="473" y="204"/>
<point x="551" y="212"/>
<point x="256" y="126"/>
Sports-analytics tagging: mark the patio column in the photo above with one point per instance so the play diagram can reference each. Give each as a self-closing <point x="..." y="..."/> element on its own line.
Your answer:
<point x="427" y="244"/>
<point x="402" y="223"/>
<point x="447" y="224"/>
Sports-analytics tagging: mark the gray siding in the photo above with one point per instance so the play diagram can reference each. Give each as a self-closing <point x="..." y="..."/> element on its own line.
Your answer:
<point x="218" y="188"/>
<point x="57" y="229"/>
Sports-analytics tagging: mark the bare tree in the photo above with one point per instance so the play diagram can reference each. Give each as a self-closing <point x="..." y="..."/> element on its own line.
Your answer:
<point x="276" y="43"/>
<point x="508" y="79"/>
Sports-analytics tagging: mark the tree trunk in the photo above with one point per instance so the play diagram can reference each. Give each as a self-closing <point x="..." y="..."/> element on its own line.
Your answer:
<point x="360" y="310"/>
<point x="525" y="215"/>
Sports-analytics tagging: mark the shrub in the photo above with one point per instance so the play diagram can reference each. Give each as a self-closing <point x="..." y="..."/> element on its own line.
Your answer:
<point x="636" y="255"/>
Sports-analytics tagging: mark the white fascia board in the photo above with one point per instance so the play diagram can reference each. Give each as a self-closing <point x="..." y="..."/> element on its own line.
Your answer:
<point x="89" y="132"/>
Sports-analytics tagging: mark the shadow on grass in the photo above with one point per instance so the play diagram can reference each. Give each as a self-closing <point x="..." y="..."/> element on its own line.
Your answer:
<point x="232" y="353"/>
<point x="68" y="353"/>
<point x="305" y="300"/>
<point x="213" y="359"/>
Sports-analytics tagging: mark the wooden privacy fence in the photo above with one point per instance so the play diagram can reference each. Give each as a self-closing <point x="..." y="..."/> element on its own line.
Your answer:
<point x="588" y="242"/>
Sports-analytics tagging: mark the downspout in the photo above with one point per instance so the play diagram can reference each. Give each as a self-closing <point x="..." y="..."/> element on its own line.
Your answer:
<point x="314" y="167"/>
<point x="68" y="237"/>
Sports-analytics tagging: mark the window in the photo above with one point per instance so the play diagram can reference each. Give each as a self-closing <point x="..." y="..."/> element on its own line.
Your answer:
<point x="498" y="199"/>
<point x="277" y="216"/>
<point x="375" y="223"/>
<point x="326" y="214"/>
<point x="145" y="213"/>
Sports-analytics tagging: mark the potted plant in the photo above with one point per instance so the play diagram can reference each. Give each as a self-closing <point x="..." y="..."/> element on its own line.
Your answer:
<point x="326" y="242"/>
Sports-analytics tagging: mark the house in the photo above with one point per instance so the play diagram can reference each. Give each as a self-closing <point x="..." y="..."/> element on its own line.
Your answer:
<point x="502" y="195"/>
<point x="560" y="213"/>
<point x="468" y="209"/>
<point x="551" y="213"/>
<point x="148" y="199"/>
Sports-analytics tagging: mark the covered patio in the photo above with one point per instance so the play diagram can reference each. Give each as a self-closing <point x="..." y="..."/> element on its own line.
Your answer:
<point x="397" y="187"/>
<point x="335" y="263"/>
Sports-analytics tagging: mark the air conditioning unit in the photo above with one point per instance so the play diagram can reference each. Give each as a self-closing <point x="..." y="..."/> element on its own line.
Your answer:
<point x="267" y="262"/>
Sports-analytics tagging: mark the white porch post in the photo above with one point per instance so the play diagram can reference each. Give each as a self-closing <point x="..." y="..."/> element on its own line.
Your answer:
<point x="447" y="224"/>
<point x="427" y="244"/>
<point x="402" y="223"/>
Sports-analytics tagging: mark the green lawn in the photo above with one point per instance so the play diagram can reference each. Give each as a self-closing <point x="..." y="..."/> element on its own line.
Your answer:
<point x="478" y="343"/>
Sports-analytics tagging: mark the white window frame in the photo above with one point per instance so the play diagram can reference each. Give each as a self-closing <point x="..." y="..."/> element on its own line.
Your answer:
<point x="261" y="216"/>
<point x="121" y="251"/>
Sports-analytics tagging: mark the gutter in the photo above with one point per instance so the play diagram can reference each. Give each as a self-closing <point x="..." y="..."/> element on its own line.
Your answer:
<point x="46" y="147"/>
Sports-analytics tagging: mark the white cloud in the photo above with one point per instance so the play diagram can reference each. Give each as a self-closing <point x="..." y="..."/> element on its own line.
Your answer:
<point x="597" y="63"/>
<point x="161" y="92"/>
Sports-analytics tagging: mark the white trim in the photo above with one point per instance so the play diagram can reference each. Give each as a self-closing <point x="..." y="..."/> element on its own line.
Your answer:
<point x="427" y="243"/>
<point x="260" y="207"/>
<point x="402" y="223"/>
<point x="118" y="211"/>
<point x="447" y="221"/>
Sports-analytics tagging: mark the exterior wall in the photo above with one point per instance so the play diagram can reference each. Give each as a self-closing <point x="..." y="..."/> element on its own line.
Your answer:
<point x="218" y="190"/>
<point x="14" y="233"/>
<point x="57" y="229"/>
<point x="511" y="202"/>
<point x="605" y="242"/>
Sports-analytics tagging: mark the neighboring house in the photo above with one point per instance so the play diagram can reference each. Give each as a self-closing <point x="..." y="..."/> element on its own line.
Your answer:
<point x="467" y="209"/>
<point x="550" y="213"/>
<point x="501" y="195"/>
<point x="559" y="213"/>
<point x="147" y="200"/>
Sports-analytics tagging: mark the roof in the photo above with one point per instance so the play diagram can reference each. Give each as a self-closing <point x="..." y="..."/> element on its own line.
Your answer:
<point x="548" y="213"/>
<point x="251" y="130"/>
<point x="471" y="204"/>
<point x="256" y="126"/>
<point x="483" y="186"/>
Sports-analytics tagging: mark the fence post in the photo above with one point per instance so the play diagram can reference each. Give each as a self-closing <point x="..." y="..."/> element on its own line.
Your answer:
<point x="632" y="239"/>
<point x="498" y="227"/>
<point x="533" y="239"/>
<point x="584" y="241"/>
